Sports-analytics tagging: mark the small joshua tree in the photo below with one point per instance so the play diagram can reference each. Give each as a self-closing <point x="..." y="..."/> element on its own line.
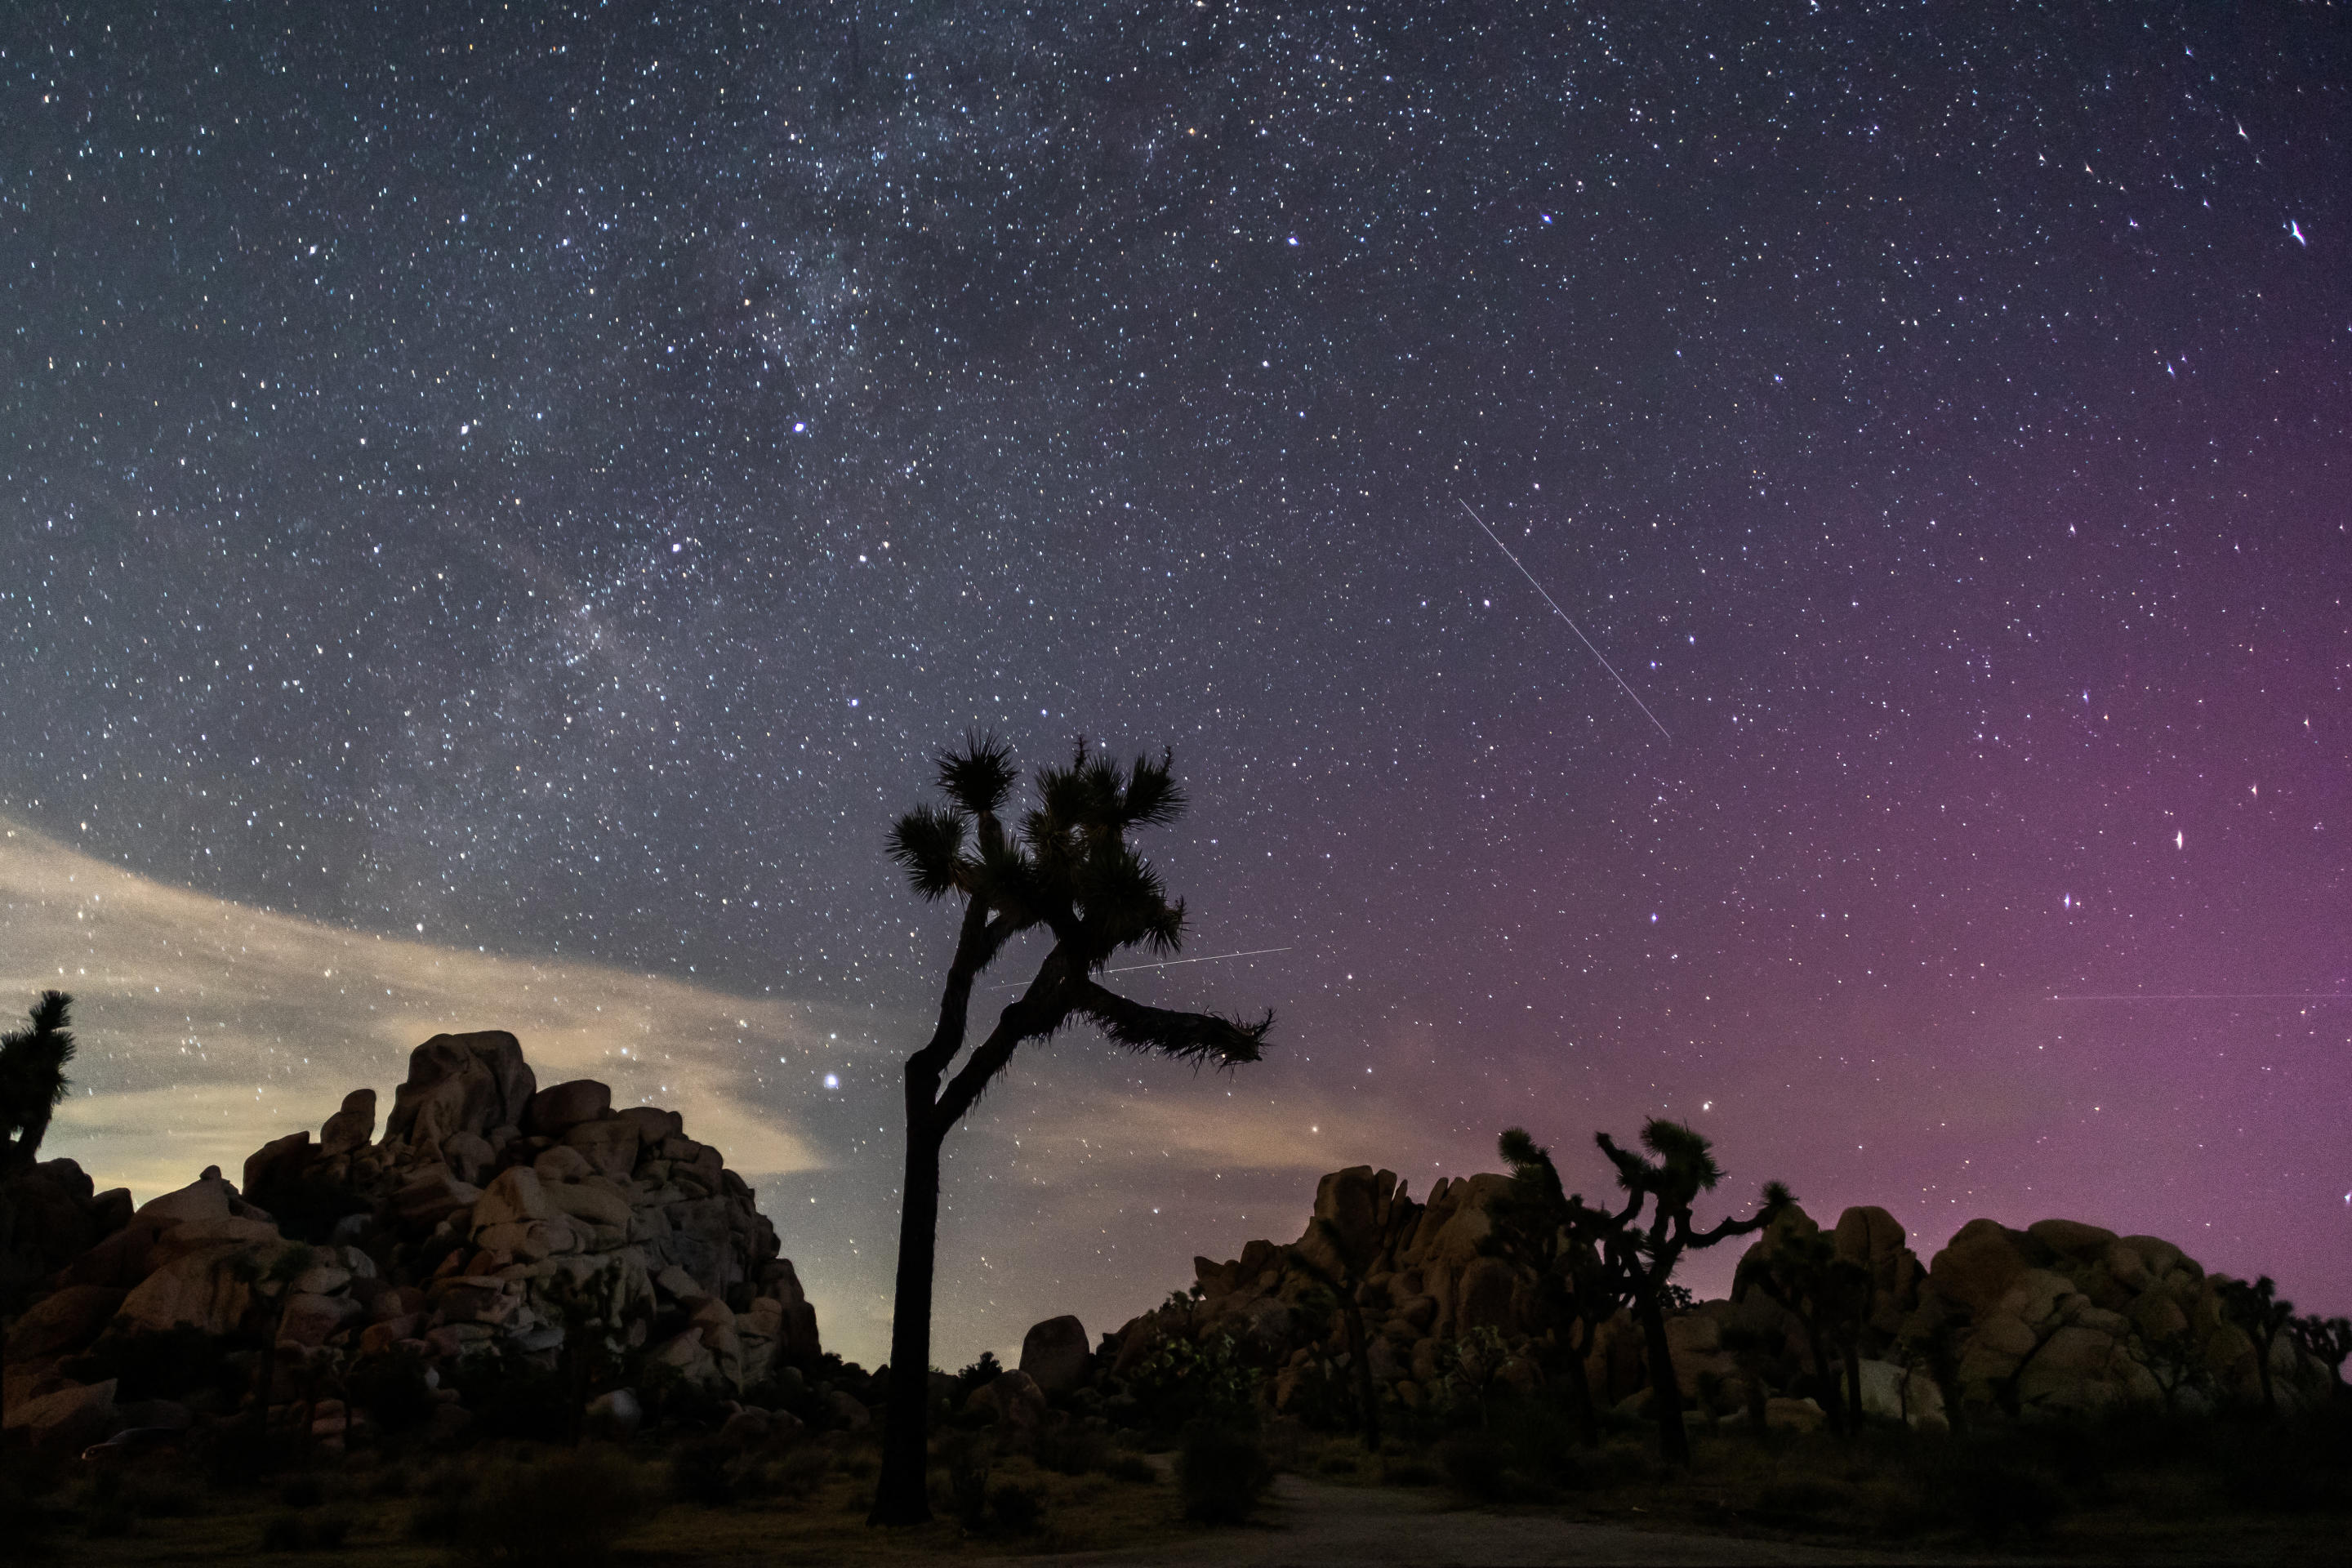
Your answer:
<point x="2328" y="1341"/>
<point x="33" y="1079"/>
<point x="1831" y="1296"/>
<point x="1683" y="1166"/>
<point x="1069" y="869"/>
<point x="2259" y="1312"/>
<point x="1343" y="1279"/>
<point x="1541" y="1225"/>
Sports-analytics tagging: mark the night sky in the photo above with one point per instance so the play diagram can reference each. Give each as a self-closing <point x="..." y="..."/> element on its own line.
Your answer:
<point x="512" y="495"/>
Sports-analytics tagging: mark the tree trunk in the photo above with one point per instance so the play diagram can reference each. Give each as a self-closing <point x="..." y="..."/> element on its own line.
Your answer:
<point x="1852" y="1386"/>
<point x="1832" y="1376"/>
<point x="1367" y="1396"/>
<point x="1665" y="1391"/>
<point x="903" y="1494"/>
<point x="1579" y="1395"/>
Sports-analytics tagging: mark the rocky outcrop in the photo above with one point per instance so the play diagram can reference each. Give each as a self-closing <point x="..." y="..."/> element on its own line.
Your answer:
<point x="49" y="1215"/>
<point x="2060" y="1319"/>
<point x="494" y="1224"/>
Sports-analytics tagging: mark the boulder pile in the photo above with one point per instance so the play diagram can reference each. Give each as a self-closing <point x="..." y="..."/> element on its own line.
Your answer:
<point x="2061" y="1318"/>
<point x="495" y="1227"/>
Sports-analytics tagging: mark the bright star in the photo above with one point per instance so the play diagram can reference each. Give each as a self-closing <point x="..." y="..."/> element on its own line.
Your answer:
<point x="2295" y="230"/>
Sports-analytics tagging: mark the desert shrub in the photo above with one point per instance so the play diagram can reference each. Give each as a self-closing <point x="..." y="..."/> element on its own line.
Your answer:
<point x="1337" y="1464"/>
<point x="1538" y="1442"/>
<point x="1133" y="1469"/>
<point x="1072" y="1449"/>
<point x="157" y="1495"/>
<point x="109" y="1520"/>
<point x="1409" y="1473"/>
<point x="1180" y="1383"/>
<point x="305" y="1533"/>
<point x="302" y="1492"/>
<point x="798" y="1473"/>
<point x="976" y="1376"/>
<point x="1995" y="1496"/>
<point x="1223" y="1472"/>
<point x="240" y="1453"/>
<point x="1473" y="1462"/>
<point x="566" y="1510"/>
<point x="392" y="1389"/>
<point x="704" y="1471"/>
<point x="1795" y="1499"/>
<point x="516" y="1400"/>
<point x="1015" y="1510"/>
<point x="391" y="1482"/>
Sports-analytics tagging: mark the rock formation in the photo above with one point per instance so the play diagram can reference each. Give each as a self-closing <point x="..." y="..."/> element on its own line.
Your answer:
<point x="495" y="1225"/>
<point x="2061" y="1318"/>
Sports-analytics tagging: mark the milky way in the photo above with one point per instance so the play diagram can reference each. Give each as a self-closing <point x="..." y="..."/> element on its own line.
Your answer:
<point x="535" y="482"/>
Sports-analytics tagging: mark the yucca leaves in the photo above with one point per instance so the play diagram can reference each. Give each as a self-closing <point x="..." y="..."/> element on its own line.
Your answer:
<point x="928" y="844"/>
<point x="1198" y="1037"/>
<point x="978" y="774"/>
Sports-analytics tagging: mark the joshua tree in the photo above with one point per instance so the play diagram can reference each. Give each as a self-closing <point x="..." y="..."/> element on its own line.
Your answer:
<point x="1343" y="1281"/>
<point x="1684" y="1167"/>
<point x="2259" y="1312"/>
<point x="2328" y="1341"/>
<point x="33" y="1079"/>
<point x="1831" y="1296"/>
<point x="1542" y="1225"/>
<point x="1068" y="869"/>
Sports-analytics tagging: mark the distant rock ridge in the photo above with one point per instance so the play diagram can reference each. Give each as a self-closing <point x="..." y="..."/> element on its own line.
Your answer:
<point x="2060" y="1318"/>
<point x="496" y="1223"/>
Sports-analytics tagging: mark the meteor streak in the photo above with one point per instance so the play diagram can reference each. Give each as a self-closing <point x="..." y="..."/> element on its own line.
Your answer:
<point x="1556" y="610"/>
<point x="1168" y="963"/>
<point x="2208" y="996"/>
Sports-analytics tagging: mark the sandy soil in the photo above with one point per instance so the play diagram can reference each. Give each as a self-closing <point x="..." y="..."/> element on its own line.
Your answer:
<point x="1314" y="1523"/>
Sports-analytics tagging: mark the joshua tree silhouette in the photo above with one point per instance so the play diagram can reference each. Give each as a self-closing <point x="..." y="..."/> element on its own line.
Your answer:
<point x="1542" y="1225"/>
<point x="1683" y="1168"/>
<point x="1344" y="1278"/>
<point x="33" y="1078"/>
<point x="1831" y="1296"/>
<point x="2261" y="1313"/>
<point x="2327" y="1341"/>
<point x="1068" y="869"/>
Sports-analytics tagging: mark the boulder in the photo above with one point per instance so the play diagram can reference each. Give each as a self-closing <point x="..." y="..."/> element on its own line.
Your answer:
<point x="274" y="1164"/>
<point x="310" y="1319"/>
<point x="1977" y="1266"/>
<point x="608" y="1146"/>
<point x="69" y="1420"/>
<point x="1793" y="1415"/>
<point x="1349" y="1201"/>
<point x="2072" y="1238"/>
<point x="209" y="1288"/>
<point x="617" y="1416"/>
<point x="558" y="1108"/>
<point x="1055" y="1355"/>
<point x="653" y="1125"/>
<point x="63" y="1321"/>
<point x="1483" y="1295"/>
<point x="350" y="1129"/>
<point x="516" y="1195"/>
<point x="460" y="1083"/>
<point x="468" y="1156"/>
<point x="431" y="1196"/>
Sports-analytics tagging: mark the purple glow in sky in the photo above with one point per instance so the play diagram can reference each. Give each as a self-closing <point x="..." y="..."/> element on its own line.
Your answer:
<point x="534" y="488"/>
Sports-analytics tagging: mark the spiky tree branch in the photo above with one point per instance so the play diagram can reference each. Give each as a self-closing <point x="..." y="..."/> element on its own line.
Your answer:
<point x="1070" y="871"/>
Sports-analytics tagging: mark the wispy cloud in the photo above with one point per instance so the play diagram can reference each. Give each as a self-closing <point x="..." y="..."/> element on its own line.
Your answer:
<point x="211" y="1027"/>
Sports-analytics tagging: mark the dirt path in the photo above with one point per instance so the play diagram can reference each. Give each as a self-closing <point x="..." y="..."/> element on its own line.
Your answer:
<point x="1314" y="1523"/>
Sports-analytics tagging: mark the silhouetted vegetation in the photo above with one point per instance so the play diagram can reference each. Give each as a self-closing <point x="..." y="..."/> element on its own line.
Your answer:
<point x="33" y="1079"/>
<point x="1066" y="867"/>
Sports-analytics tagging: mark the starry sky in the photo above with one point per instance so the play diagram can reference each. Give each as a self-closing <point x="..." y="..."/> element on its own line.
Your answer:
<point x="498" y="503"/>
